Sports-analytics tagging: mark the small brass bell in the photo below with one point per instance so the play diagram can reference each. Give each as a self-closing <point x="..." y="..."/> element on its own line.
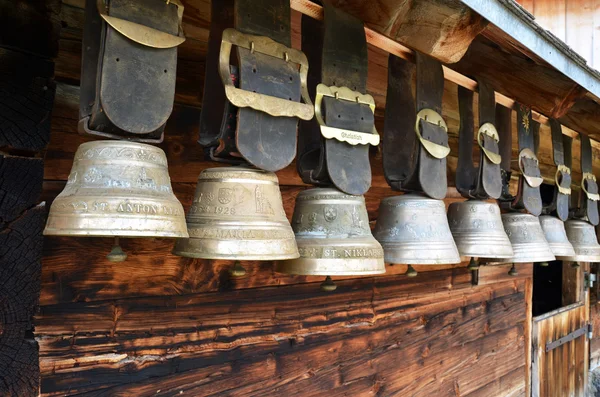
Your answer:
<point x="413" y="229"/>
<point x="333" y="236"/>
<point x="117" y="189"/>
<point x="585" y="243"/>
<point x="237" y="214"/>
<point x="477" y="229"/>
<point x="527" y="238"/>
<point x="556" y="235"/>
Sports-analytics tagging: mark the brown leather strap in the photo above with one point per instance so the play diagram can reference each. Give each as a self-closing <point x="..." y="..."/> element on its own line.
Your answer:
<point x="127" y="88"/>
<point x="504" y="128"/>
<point x="423" y="171"/>
<point x="528" y="195"/>
<point x="266" y="141"/>
<point x="337" y="52"/>
<point x="588" y="198"/>
<point x="556" y="199"/>
<point x="485" y="181"/>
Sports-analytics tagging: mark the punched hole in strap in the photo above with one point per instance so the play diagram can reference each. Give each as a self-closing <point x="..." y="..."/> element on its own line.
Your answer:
<point x="274" y="106"/>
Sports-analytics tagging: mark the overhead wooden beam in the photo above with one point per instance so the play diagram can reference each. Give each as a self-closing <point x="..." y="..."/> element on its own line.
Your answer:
<point x="383" y="42"/>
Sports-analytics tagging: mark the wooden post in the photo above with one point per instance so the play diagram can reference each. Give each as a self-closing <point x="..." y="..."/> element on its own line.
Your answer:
<point x="26" y="99"/>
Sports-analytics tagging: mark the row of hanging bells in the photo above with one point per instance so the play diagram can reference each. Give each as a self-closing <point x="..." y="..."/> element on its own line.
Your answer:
<point x="122" y="189"/>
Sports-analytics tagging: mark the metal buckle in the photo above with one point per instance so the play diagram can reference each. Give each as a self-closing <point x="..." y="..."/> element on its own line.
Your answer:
<point x="343" y="135"/>
<point x="490" y="130"/>
<point x="141" y="34"/>
<point x="591" y="177"/>
<point x="562" y="169"/>
<point x="274" y="106"/>
<point x="432" y="117"/>
<point x="533" y="181"/>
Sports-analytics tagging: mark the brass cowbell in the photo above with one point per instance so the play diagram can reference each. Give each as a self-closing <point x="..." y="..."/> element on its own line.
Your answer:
<point x="413" y="229"/>
<point x="117" y="189"/>
<point x="333" y="235"/>
<point x="556" y="235"/>
<point x="527" y="238"/>
<point x="585" y="242"/>
<point x="237" y="214"/>
<point x="477" y="229"/>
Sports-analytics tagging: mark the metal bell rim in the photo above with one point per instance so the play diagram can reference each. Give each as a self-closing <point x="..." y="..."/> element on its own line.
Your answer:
<point x="591" y="257"/>
<point x="315" y="266"/>
<point x="403" y="247"/>
<point x="561" y="250"/>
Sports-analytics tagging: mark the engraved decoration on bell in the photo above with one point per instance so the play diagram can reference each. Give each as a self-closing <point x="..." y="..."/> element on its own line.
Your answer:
<point x="225" y="195"/>
<point x="330" y="213"/>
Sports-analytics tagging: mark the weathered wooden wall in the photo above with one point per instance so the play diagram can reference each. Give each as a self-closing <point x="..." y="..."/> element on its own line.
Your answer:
<point x="576" y="22"/>
<point x="163" y="325"/>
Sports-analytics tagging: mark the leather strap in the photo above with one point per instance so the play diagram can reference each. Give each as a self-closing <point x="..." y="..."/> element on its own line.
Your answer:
<point x="559" y="195"/>
<point x="337" y="53"/>
<point x="528" y="195"/>
<point x="588" y="197"/>
<point x="504" y="127"/>
<point x="218" y="118"/>
<point x="413" y="162"/>
<point x="485" y="181"/>
<point x="266" y="141"/>
<point x="127" y="87"/>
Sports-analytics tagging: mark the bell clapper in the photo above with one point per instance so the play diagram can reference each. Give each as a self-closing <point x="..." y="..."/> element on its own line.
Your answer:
<point x="513" y="271"/>
<point x="473" y="264"/>
<point x="328" y="285"/>
<point x="544" y="264"/>
<point x="237" y="270"/>
<point x="411" y="272"/>
<point x="575" y="265"/>
<point x="116" y="254"/>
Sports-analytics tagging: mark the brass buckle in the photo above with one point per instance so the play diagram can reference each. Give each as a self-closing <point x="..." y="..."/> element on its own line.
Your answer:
<point x="274" y="106"/>
<point x="591" y="177"/>
<point x="562" y="169"/>
<point x="490" y="130"/>
<point x="141" y="34"/>
<point x="432" y="117"/>
<point x="343" y="135"/>
<point x="532" y="181"/>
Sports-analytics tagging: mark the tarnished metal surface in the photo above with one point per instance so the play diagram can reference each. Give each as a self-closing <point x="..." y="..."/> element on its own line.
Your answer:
<point x="143" y="34"/>
<point x="117" y="189"/>
<point x="413" y="229"/>
<point x="582" y="236"/>
<point x="264" y="103"/>
<point x="477" y="229"/>
<point x="527" y="238"/>
<point x="237" y="213"/>
<point x="554" y="231"/>
<point x="333" y="236"/>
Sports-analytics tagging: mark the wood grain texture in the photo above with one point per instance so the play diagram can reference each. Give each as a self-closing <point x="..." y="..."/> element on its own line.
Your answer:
<point x="308" y="344"/>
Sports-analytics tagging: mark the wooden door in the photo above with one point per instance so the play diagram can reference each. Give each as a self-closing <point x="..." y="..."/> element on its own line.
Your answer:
<point x="560" y="352"/>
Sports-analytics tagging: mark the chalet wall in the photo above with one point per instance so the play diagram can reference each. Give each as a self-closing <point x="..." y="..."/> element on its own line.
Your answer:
<point x="576" y="22"/>
<point x="163" y="325"/>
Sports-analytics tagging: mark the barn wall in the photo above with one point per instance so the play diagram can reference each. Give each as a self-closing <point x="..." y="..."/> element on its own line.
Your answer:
<point x="576" y="22"/>
<point x="160" y="325"/>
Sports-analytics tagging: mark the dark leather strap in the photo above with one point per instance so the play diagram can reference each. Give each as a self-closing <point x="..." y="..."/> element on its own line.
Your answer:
<point x="588" y="198"/>
<point x="415" y="168"/>
<point x="557" y="200"/>
<point x="484" y="181"/>
<point x="218" y="118"/>
<point x="266" y="141"/>
<point x="127" y="88"/>
<point x="337" y="53"/>
<point x="504" y="128"/>
<point x="528" y="194"/>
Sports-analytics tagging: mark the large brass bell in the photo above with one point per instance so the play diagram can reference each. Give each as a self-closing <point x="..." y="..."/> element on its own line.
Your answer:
<point x="333" y="236"/>
<point x="413" y="229"/>
<point x="119" y="189"/>
<point x="527" y="238"/>
<point x="477" y="229"/>
<point x="585" y="243"/>
<point x="237" y="214"/>
<point x="556" y="235"/>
